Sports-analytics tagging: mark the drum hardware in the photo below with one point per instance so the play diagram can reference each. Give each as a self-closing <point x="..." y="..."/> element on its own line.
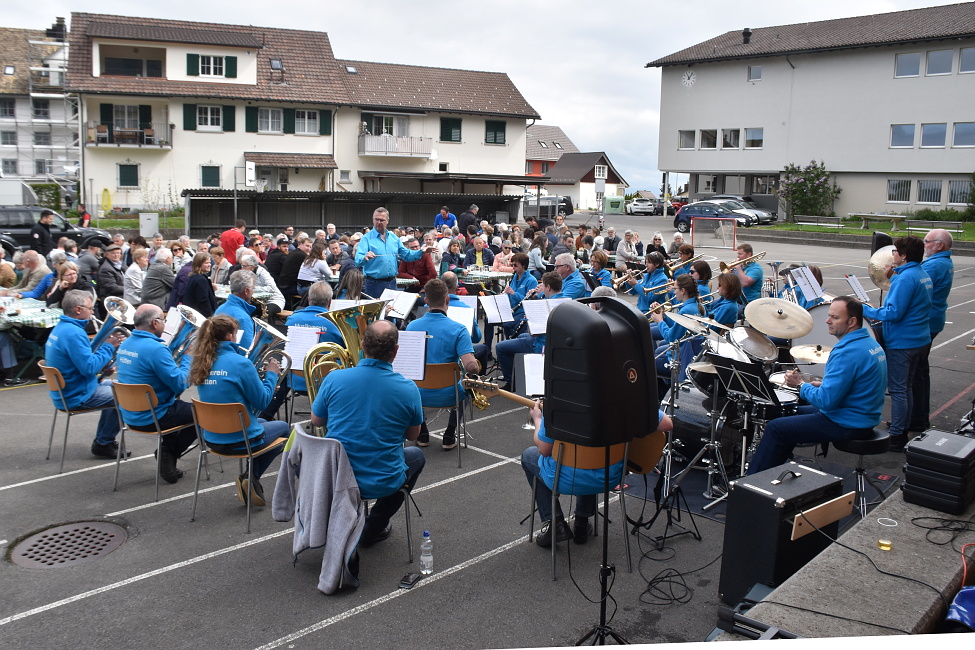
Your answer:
<point x="725" y="268"/>
<point x="709" y="321"/>
<point x="779" y="318"/>
<point x="811" y="353"/>
<point x="691" y="325"/>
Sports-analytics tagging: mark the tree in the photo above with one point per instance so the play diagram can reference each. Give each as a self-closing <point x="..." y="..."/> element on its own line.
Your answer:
<point x="807" y="190"/>
<point x="970" y="212"/>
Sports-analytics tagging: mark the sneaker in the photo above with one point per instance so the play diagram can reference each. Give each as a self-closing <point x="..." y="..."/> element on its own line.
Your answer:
<point x="564" y="533"/>
<point x="16" y="382"/>
<point x="167" y="467"/>
<point x="108" y="451"/>
<point x="241" y="483"/>
<point x="449" y="441"/>
<point x="257" y="494"/>
<point x="423" y="440"/>
<point x="368" y="539"/>
<point x="582" y="530"/>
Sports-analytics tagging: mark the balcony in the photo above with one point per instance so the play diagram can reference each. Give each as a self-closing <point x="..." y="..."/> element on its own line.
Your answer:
<point x="154" y="135"/>
<point x="389" y="145"/>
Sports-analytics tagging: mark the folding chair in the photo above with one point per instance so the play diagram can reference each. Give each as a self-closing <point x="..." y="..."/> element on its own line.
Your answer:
<point x="226" y="418"/>
<point x="139" y="397"/>
<point x="55" y="382"/>
<point x="445" y="375"/>
<point x="407" y="500"/>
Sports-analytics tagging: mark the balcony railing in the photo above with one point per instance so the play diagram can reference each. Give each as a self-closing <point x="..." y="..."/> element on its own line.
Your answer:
<point x="150" y="135"/>
<point x="389" y="145"/>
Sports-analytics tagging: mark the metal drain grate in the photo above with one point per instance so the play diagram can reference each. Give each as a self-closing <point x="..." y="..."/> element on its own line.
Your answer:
<point x="68" y="545"/>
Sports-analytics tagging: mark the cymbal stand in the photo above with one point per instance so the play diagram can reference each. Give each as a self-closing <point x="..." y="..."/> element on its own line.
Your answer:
<point x="714" y="447"/>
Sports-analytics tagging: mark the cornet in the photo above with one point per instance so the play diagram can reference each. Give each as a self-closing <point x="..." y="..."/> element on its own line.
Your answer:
<point x="748" y="260"/>
<point x="626" y="277"/>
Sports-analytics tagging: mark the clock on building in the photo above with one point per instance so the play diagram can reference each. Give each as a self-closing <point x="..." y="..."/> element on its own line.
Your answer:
<point x="688" y="78"/>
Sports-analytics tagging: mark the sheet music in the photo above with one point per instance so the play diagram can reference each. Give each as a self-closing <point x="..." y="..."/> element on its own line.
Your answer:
<point x="463" y="315"/>
<point x="345" y="304"/>
<point x="807" y="283"/>
<point x="497" y="309"/>
<point x="858" y="291"/>
<point x="411" y="358"/>
<point x="173" y="319"/>
<point x="534" y="374"/>
<point x="537" y="311"/>
<point x="301" y="339"/>
<point x="470" y="301"/>
<point x="402" y="302"/>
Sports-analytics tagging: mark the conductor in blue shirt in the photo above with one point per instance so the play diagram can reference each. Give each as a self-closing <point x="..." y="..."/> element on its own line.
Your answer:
<point x="845" y="405"/>
<point x="379" y="253"/>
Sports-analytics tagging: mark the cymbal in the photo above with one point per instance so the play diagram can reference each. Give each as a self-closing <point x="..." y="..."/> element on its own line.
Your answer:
<point x="702" y="366"/>
<point x="876" y="267"/>
<point x="776" y="317"/>
<point x="708" y="321"/>
<point x="811" y="353"/>
<point x="688" y="323"/>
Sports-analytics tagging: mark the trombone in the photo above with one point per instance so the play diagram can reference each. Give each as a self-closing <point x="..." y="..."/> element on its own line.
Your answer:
<point x="673" y="266"/>
<point x="660" y="288"/>
<point x="748" y="260"/>
<point x="626" y="277"/>
<point x="708" y="298"/>
<point x="663" y="307"/>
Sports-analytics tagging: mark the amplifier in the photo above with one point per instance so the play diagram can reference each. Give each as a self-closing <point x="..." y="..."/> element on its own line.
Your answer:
<point x="766" y="539"/>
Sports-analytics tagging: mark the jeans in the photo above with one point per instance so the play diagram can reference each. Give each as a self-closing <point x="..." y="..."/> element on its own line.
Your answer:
<point x="585" y="505"/>
<point x="921" y="392"/>
<point x="385" y="507"/>
<point x="783" y="434"/>
<point x="374" y="288"/>
<point x="108" y="427"/>
<point x="272" y="431"/>
<point x="901" y="368"/>
<point x="506" y="351"/>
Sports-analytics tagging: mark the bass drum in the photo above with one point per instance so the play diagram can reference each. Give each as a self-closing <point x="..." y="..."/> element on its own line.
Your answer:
<point x="820" y="336"/>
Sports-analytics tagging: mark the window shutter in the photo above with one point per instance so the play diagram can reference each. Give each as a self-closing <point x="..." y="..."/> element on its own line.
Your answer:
<point x="229" y="118"/>
<point x="128" y="176"/>
<point x="250" y="119"/>
<point x="192" y="65"/>
<point x="145" y="116"/>
<point x="325" y="122"/>
<point x="189" y="117"/>
<point x="107" y="114"/>
<point x="230" y="67"/>
<point x="368" y="118"/>
<point x="210" y="176"/>
<point x="450" y="129"/>
<point x="289" y="120"/>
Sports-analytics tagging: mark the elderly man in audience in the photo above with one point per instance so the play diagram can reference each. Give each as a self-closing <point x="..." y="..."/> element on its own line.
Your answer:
<point x="89" y="260"/>
<point x="159" y="280"/>
<point x="35" y="270"/>
<point x="111" y="281"/>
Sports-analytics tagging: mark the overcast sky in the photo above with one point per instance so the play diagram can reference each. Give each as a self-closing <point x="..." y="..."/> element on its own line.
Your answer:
<point x="579" y="64"/>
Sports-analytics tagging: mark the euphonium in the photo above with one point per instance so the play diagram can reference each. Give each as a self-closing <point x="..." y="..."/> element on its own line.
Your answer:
<point x="120" y="312"/>
<point x="265" y="338"/>
<point x="190" y="323"/>
<point x="284" y="360"/>
<point x="748" y="260"/>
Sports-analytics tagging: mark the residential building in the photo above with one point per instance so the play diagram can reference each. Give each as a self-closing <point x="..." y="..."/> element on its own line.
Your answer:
<point x="38" y="121"/>
<point x="883" y="100"/>
<point x="545" y="145"/>
<point x="586" y="178"/>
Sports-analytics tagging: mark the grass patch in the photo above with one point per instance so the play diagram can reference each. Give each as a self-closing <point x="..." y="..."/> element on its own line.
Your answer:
<point x="130" y="224"/>
<point x="853" y="228"/>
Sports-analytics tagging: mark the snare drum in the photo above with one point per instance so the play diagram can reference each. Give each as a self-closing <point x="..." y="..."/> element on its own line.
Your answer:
<point x="753" y="343"/>
<point x="778" y="378"/>
<point x="788" y="405"/>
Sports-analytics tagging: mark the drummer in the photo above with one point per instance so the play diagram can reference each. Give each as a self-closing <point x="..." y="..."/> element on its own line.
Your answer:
<point x="845" y="405"/>
<point x="686" y="292"/>
<point x="724" y="309"/>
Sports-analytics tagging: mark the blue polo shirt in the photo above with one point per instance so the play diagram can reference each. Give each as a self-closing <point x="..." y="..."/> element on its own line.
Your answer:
<point x="906" y="313"/>
<point x="310" y="316"/>
<point x="755" y="272"/>
<point x="143" y="358"/>
<point x="941" y="270"/>
<point x="233" y="378"/>
<point x="69" y="350"/>
<point x="368" y="408"/>
<point x="243" y="313"/>
<point x="450" y="341"/>
<point x="389" y="252"/>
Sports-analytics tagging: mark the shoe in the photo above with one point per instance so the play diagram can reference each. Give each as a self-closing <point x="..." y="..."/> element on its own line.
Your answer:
<point x="371" y="540"/>
<point x="241" y="483"/>
<point x="167" y="467"/>
<point x="897" y="443"/>
<point x="449" y="441"/>
<point x="257" y="494"/>
<point x="564" y="534"/>
<point x="582" y="530"/>
<point x="423" y="440"/>
<point x="16" y="382"/>
<point x="108" y="451"/>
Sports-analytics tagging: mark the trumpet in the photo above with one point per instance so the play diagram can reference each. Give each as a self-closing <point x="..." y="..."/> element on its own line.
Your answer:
<point x="748" y="260"/>
<point x="626" y="277"/>
<point x="660" y="288"/>
<point x="673" y="266"/>
<point x="661" y="308"/>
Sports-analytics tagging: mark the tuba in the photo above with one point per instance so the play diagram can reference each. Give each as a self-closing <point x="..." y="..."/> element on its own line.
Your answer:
<point x="322" y="359"/>
<point x="352" y="323"/>
<point x="266" y="339"/>
<point x="120" y="312"/>
<point x="190" y="323"/>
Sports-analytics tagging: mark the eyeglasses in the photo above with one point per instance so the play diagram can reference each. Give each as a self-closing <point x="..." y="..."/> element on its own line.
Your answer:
<point x="565" y="265"/>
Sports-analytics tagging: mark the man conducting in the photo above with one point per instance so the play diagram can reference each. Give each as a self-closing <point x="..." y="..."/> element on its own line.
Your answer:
<point x="379" y="253"/>
<point x="371" y="410"/>
<point x="143" y="358"/>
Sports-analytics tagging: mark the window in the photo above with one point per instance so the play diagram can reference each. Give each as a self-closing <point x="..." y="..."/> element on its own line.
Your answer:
<point x="10" y="166"/>
<point x="42" y="167"/>
<point x="939" y="62"/>
<point x="345" y="176"/>
<point x="128" y="175"/>
<point x="542" y="144"/>
<point x="557" y="145"/>
<point x="907" y="65"/>
<point x="709" y="138"/>
<point x="898" y="191"/>
<point x="9" y="70"/>
<point x="306" y="122"/>
<point x="933" y="135"/>
<point x="754" y="73"/>
<point x="8" y="137"/>
<point x="394" y="125"/>
<point x="211" y="66"/>
<point x="208" y="118"/>
<point x="7" y="108"/>
<point x="964" y="135"/>
<point x="443" y="167"/>
<point x="42" y="139"/>
<point x="902" y="135"/>
<point x="705" y="184"/>
<point x="545" y="167"/>
<point x="529" y="165"/>
<point x="685" y="139"/>
<point x="126" y="117"/>
<point x="600" y="171"/>
<point x="730" y="138"/>
<point x="929" y="191"/>
<point x="959" y="192"/>
<point x="494" y="132"/>
<point x="42" y="109"/>
<point x="754" y="138"/>
<point x="276" y="65"/>
<point x="966" y="60"/>
<point x="764" y="184"/>
<point x="209" y="176"/>
<point x="269" y="120"/>
<point x="450" y="129"/>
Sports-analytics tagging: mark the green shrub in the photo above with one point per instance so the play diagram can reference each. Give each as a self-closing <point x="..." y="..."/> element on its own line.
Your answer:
<point x="48" y="195"/>
<point x="943" y="215"/>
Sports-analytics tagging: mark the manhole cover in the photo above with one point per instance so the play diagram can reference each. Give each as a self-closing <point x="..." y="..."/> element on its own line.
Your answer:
<point x="68" y="545"/>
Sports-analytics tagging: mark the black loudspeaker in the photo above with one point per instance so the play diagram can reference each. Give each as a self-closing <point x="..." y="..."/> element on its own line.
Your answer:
<point x="758" y="544"/>
<point x="879" y="240"/>
<point x="600" y="377"/>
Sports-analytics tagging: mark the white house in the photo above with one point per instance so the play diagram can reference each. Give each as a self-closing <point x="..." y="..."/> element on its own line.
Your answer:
<point x="586" y="178"/>
<point x="884" y="100"/>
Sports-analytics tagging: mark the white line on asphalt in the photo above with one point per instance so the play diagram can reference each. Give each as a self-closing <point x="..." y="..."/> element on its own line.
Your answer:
<point x="961" y="303"/>
<point x="109" y="464"/>
<point x="952" y="340"/>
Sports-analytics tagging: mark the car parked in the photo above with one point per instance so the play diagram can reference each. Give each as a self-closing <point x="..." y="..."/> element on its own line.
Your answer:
<point x="682" y="221"/>
<point x="639" y="206"/>
<point x="748" y="201"/>
<point x="658" y="207"/>
<point x="759" y="215"/>
<point x="16" y="222"/>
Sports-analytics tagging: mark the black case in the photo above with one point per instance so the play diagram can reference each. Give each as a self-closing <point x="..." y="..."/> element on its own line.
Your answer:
<point x="950" y="503"/>
<point x="947" y="453"/>
<point x="758" y="548"/>
<point x="932" y="480"/>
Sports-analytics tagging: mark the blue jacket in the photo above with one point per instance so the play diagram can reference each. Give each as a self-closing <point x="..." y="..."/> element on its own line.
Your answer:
<point x="574" y="286"/>
<point x="672" y="331"/>
<point x="233" y="378"/>
<point x="439" y="222"/>
<point x="143" y="358"/>
<point x="476" y="334"/>
<point x="388" y="252"/>
<point x="69" y="350"/>
<point x="521" y="286"/>
<point x="852" y="392"/>
<point x="449" y="343"/>
<point x="309" y="317"/>
<point x="38" y="292"/>
<point x="723" y="311"/>
<point x="941" y="270"/>
<point x="644" y="300"/>
<point x="602" y="277"/>
<point x="242" y="312"/>
<point x="907" y="309"/>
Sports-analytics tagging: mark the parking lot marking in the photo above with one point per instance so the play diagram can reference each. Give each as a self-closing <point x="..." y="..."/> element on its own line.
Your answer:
<point x="941" y="345"/>
<point x="109" y="464"/>
<point x="952" y="400"/>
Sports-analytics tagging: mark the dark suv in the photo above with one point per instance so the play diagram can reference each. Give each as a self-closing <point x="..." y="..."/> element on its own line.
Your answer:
<point x="682" y="222"/>
<point x="17" y="220"/>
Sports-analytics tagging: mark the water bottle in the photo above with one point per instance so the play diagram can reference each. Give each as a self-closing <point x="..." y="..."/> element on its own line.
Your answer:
<point x="426" y="554"/>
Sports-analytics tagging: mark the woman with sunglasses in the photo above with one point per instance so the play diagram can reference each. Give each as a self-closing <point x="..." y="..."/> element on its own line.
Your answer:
<point x="658" y="245"/>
